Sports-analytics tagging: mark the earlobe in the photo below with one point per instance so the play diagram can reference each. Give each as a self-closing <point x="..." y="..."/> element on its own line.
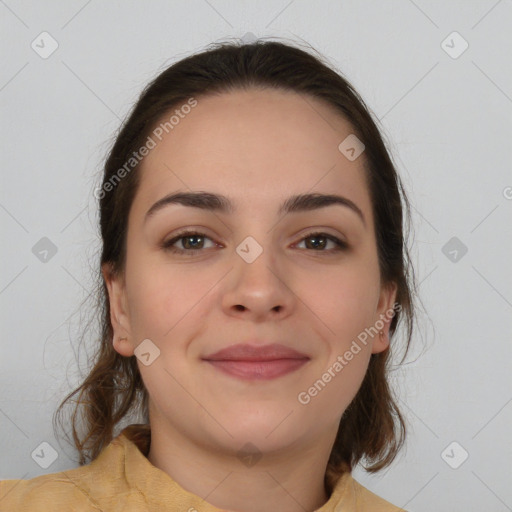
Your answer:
<point x="381" y="342"/>
<point x="123" y="346"/>
<point x="385" y="313"/>
<point x="118" y="311"/>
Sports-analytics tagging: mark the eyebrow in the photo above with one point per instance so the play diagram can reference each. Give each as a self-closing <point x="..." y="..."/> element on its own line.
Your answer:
<point x="219" y="203"/>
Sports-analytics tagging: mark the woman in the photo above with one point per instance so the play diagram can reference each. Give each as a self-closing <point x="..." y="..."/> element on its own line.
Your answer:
<point x="254" y="271"/>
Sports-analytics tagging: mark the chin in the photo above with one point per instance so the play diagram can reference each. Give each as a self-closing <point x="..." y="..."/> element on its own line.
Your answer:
<point x="264" y="430"/>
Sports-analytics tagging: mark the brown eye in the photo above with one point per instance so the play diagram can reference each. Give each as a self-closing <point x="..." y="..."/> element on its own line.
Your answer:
<point x="319" y="241"/>
<point x="190" y="241"/>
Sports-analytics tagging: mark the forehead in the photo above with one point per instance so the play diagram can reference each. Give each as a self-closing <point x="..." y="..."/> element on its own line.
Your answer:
<point x="258" y="144"/>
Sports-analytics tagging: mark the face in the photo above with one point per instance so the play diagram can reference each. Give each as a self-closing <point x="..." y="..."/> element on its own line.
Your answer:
<point x="306" y="278"/>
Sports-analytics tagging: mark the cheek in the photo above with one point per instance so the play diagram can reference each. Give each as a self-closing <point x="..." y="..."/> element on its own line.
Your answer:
<point x="331" y="392"/>
<point x="344" y="301"/>
<point x="163" y="297"/>
<point x="350" y="303"/>
<point x="345" y="298"/>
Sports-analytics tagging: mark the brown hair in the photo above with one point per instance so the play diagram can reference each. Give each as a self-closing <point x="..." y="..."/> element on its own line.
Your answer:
<point x="372" y="427"/>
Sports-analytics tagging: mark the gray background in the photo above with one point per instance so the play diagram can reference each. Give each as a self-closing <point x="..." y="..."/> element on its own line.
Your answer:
<point x="448" y="122"/>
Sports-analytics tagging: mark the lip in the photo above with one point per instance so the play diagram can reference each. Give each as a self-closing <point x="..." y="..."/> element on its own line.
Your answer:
<point x="259" y="370"/>
<point x="251" y="362"/>
<point x="251" y="352"/>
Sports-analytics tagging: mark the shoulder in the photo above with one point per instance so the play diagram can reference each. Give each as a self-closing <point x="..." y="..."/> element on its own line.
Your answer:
<point x="80" y="489"/>
<point x="370" y="501"/>
<point x="349" y="494"/>
<point x="46" y="492"/>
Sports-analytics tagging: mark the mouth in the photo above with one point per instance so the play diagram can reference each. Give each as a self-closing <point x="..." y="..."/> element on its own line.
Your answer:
<point x="249" y="362"/>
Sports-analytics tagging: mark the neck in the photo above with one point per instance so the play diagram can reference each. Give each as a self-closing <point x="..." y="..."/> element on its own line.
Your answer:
<point x="252" y="483"/>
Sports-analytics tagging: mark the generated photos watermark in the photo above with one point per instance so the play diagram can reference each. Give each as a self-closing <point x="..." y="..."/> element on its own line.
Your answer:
<point x="305" y="397"/>
<point x="152" y="140"/>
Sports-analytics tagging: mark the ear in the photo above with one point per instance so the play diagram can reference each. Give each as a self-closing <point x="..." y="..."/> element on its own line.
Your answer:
<point x="118" y="310"/>
<point x="384" y="316"/>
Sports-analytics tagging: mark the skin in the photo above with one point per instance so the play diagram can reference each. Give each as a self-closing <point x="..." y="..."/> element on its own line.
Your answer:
<point x="258" y="147"/>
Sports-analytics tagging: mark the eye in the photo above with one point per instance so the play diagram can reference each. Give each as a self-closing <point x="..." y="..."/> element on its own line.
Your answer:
<point x="190" y="241"/>
<point x="193" y="242"/>
<point x="318" y="241"/>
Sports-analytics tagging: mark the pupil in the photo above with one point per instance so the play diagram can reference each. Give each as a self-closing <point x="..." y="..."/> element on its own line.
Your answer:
<point x="192" y="237"/>
<point x="316" y="244"/>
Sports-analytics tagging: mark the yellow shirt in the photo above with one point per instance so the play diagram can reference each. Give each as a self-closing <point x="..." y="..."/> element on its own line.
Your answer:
<point x="122" y="479"/>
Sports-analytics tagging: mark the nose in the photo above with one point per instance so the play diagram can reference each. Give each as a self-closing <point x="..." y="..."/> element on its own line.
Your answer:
<point x="258" y="290"/>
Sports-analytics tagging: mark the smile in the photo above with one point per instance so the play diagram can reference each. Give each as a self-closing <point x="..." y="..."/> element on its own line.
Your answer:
<point x="259" y="370"/>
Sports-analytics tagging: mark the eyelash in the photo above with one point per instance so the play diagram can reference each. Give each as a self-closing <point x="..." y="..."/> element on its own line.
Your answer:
<point x="168" y="244"/>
